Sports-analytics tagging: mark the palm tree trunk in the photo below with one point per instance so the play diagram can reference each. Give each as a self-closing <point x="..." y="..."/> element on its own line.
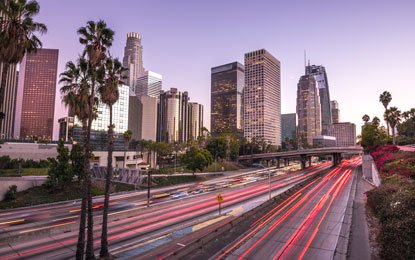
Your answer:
<point x="393" y="135"/>
<point x="104" y="234"/>
<point x="3" y="83"/>
<point x="90" y="232"/>
<point x="80" y="246"/>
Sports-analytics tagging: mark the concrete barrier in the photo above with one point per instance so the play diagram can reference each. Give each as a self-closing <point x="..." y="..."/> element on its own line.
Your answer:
<point x="369" y="170"/>
<point x="22" y="183"/>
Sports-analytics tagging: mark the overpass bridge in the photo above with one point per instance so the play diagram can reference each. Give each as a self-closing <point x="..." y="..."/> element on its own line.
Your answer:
<point x="303" y="154"/>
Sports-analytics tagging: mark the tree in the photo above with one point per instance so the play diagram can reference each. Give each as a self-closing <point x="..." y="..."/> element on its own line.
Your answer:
<point x="127" y="135"/>
<point x="372" y="136"/>
<point x="75" y="92"/>
<point x="218" y="147"/>
<point x="385" y="98"/>
<point x="196" y="159"/>
<point x="60" y="172"/>
<point x="393" y="117"/>
<point x="2" y="115"/>
<point x="96" y="38"/>
<point x="77" y="161"/>
<point x="17" y="35"/>
<point x="376" y="121"/>
<point x="109" y="94"/>
<point x="365" y="118"/>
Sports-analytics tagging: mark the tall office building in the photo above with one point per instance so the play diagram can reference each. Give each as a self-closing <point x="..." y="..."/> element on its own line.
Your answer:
<point x="335" y="111"/>
<point x="195" y="123"/>
<point x="345" y="133"/>
<point x="9" y="102"/>
<point x="227" y="84"/>
<point x="142" y="117"/>
<point x="262" y="97"/>
<point x="133" y="59"/>
<point x="172" y="123"/>
<point x="308" y="110"/>
<point x="35" y="103"/>
<point x="320" y="75"/>
<point x="288" y="126"/>
<point x="149" y="84"/>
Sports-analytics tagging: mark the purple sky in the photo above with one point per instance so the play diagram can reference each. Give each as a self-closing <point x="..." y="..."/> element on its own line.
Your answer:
<point x="366" y="47"/>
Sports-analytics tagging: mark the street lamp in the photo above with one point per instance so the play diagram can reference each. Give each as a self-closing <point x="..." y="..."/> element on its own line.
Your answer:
<point x="269" y="177"/>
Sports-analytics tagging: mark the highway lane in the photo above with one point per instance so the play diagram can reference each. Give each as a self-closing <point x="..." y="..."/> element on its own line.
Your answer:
<point x="152" y="221"/>
<point x="305" y="226"/>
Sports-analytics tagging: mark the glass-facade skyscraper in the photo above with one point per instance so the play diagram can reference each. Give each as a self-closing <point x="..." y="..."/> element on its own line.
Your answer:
<point x="195" y="123"/>
<point x="172" y="123"/>
<point x="133" y="59"/>
<point x="149" y="84"/>
<point x="227" y="84"/>
<point x="288" y="126"/>
<point x="35" y="103"/>
<point x="262" y="97"/>
<point x="308" y="110"/>
<point x="320" y="75"/>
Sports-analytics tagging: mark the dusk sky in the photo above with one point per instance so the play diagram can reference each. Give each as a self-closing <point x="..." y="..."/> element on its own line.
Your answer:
<point x="366" y="47"/>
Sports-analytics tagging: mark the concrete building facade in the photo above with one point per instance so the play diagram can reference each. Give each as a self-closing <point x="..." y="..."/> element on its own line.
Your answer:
<point x="227" y="85"/>
<point x="9" y="102"/>
<point x="288" y="126"/>
<point x="308" y="111"/>
<point x="262" y="97"/>
<point x="195" y="123"/>
<point x="345" y="133"/>
<point x="35" y="103"/>
<point x="335" y="111"/>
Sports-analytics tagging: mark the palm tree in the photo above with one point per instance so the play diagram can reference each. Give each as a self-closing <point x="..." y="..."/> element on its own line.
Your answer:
<point x="17" y="35"/>
<point x="127" y="135"/>
<point x="376" y="121"/>
<point x="75" y="92"/>
<point x="366" y="118"/>
<point x="385" y="98"/>
<point x="2" y="115"/>
<point x="109" y="94"/>
<point x="393" y="117"/>
<point x="97" y="38"/>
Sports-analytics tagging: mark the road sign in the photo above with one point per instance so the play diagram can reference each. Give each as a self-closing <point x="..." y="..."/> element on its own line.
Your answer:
<point x="219" y="198"/>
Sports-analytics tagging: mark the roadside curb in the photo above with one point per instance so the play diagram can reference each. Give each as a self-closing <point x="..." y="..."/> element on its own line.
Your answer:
<point x="343" y="242"/>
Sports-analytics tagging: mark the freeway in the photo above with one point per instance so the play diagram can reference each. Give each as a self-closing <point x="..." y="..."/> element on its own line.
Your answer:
<point x="307" y="225"/>
<point x="171" y="212"/>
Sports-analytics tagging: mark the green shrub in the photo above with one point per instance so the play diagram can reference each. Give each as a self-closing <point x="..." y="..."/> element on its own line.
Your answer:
<point x="11" y="193"/>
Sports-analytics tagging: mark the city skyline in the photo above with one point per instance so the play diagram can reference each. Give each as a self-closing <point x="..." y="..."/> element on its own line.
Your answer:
<point x="354" y="37"/>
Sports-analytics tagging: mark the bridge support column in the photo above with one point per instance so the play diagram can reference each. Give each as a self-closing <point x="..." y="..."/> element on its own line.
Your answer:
<point x="336" y="159"/>
<point x="309" y="161"/>
<point x="303" y="161"/>
<point x="278" y="162"/>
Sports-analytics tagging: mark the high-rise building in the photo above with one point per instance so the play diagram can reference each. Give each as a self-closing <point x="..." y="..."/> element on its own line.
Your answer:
<point x="143" y="117"/>
<point x="335" y="111"/>
<point x="149" y="84"/>
<point x="320" y="75"/>
<point x="227" y="84"/>
<point x="195" y="123"/>
<point x="133" y="59"/>
<point x="345" y="133"/>
<point x="308" y="110"/>
<point x="9" y="102"/>
<point x="262" y="97"/>
<point x="173" y="116"/>
<point x="35" y="103"/>
<point x="288" y="126"/>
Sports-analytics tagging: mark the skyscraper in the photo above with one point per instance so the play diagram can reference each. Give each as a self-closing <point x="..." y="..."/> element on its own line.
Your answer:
<point x="35" y="103"/>
<point x="227" y="84"/>
<point x="320" y="75"/>
<point x="148" y="84"/>
<point x="142" y="117"/>
<point x="195" y="123"/>
<point x="288" y="127"/>
<point x="308" y="110"/>
<point x="262" y="97"/>
<point x="9" y="102"/>
<point x="172" y="123"/>
<point x="335" y="111"/>
<point x="133" y="59"/>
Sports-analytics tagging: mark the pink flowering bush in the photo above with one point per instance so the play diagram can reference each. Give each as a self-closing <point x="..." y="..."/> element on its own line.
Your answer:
<point x="387" y="162"/>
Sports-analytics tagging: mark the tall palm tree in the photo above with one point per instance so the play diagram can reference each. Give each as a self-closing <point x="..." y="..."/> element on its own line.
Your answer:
<point x="366" y="118"/>
<point x="109" y="94"/>
<point x="75" y="92"/>
<point x="376" y="121"/>
<point x="385" y="98"/>
<point x="393" y="117"/>
<point x="97" y="38"/>
<point x="17" y="35"/>
<point x="2" y="115"/>
<point x="127" y="135"/>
